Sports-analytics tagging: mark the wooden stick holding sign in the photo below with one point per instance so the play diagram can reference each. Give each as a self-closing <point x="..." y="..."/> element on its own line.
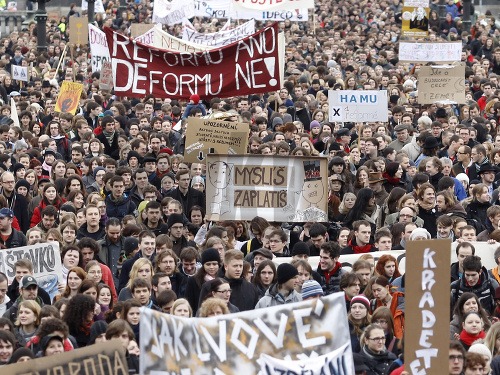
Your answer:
<point x="63" y="55"/>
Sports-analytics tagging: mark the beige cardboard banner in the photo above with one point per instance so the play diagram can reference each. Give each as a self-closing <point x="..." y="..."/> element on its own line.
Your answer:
<point x="278" y="188"/>
<point x="441" y="83"/>
<point x="204" y="136"/>
<point x="427" y="307"/>
<point x="78" y="31"/>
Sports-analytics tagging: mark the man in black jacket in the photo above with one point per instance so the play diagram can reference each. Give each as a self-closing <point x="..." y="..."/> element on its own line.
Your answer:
<point x="9" y="236"/>
<point x="185" y="194"/>
<point x="244" y="295"/>
<point x="16" y="202"/>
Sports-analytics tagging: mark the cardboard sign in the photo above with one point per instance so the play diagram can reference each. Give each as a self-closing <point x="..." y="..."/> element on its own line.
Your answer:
<point x="415" y="18"/>
<point x="271" y="5"/>
<point x="430" y="51"/>
<point x="106" y="79"/>
<point x="171" y="12"/>
<point x="251" y="66"/>
<point x="20" y="73"/>
<point x="357" y="105"/>
<point x="427" y="307"/>
<point x="205" y="136"/>
<point x="69" y="97"/>
<point x="98" y="48"/>
<point x="107" y="358"/>
<point x="234" y="343"/>
<point x="98" y="6"/>
<point x="46" y="259"/>
<point x="78" y="31"/>
<point x="441" y="83"/>
<point x="220" y="38"/>
<point x="297" y="15"/>
<point x="278" y="188"/>
<point x="137" y="29"/>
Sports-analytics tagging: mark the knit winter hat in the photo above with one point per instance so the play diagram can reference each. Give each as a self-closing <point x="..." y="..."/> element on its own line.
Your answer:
<point x="301" y="248"/>
<point x="97" y="169"/>
<point x="130" y="244"/>
<point x="196" y="180"/>
<point x="23" y="183"/>
<point x="314" y="124"/>
<point x="19" y="353"/>
<point x="311" y="288"/>
<point x="174" y="219"/>
<point x="420" y="232"/>
<point x="195" y="98"/>
<point x="286" y="272"/>
<point x="480" y="349"/>
<point x="97" y="329"/>
<point x="210" y="255"/>
<point x="361" y="299"/>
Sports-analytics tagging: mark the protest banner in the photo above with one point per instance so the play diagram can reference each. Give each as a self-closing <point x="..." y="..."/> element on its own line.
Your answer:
<point x="107" y="358"/>
<point x="271" y="5"/>
<point x="357" y="105"/>
<point x="427" y="307"/>
<point x="98" y="48"/>
<point x="20" y="73"/>
<point x="212" y="8"/>
<point x="98" y="6"/>
<point x="158" y="38"/>
<point x="106" y="79"/>
<point x="220" y="38"/>
<point x="338" y="362"/>
<point x="78" y="31"/>
<point x="137" y="29"/>
<point x="251" y="66"/>
<point x="278" y="188"/>
<point x="46" y="259"/>
<point x="297" y="15"/>
<point x="233" y="343"/>
<point x="171" y="12"/>
<point x="217" y="137"/>
<point x="430" y="51"/>
<point x="441" y="83"/>
<point x="415" y="18"/>
<point x="69" y="97"/>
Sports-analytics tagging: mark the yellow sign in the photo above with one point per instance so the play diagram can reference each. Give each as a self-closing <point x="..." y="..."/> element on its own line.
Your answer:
<point x="69" y="97"/>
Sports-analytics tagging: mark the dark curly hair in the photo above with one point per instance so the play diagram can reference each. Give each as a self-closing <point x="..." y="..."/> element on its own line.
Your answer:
<point x="77" y="311"/>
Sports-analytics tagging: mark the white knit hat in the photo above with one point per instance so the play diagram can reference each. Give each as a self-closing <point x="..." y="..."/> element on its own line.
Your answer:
<point x="480" y="349"/>
<point x="419" y="232"/>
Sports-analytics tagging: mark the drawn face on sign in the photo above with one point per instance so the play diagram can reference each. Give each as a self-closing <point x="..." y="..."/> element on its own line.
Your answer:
<point x="313" y="191"/>
<point x="219" y="174"/>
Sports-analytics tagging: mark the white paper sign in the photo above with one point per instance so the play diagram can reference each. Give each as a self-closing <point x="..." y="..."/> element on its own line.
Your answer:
<point x="297" y="15"/>
<point x="172" y="12"/>
<point x="212" y="8"/>
<point x="20" y="73"/>
<point x="357" y="105"/>
<point x="98" y="7"/>
<point x="98" y="48"/>
<point x="269" y="5"/>
<point x="436" y="52"/>
<point x="220" y="38"/>
<point x="158" y="38"/>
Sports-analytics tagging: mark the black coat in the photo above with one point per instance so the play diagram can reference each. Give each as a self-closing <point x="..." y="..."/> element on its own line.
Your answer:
<point x="112" y="149"/>
<point x="192" y="198"/>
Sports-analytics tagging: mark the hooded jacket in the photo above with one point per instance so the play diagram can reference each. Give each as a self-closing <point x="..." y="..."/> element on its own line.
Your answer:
<point x="274" y="298"/>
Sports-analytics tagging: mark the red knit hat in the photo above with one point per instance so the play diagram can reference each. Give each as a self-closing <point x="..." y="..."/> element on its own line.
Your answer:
<point x="195" y="98"/>
<point x="361" y="299"/>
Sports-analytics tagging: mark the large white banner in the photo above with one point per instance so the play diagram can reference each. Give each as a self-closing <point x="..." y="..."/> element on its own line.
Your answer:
<point x="234" y="343"/>
<point x="172" y="12"/>
<point x="357" y="105"/>
<point x="98" y="7"/>
<point x="98" y="48"/>
<point x="158" y="38"/>
<point x="429" y="51"/>
<point x="212" y="8"/>
<point x="46" y="259"/>
<point x="270" y="5"/>
<point x="298" y="15"/>
<point x="220" y="38"/>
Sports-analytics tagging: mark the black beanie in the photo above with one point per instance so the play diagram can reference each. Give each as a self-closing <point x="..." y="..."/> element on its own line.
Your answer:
<point x="19" y="353"/>
<point x="286" y="272"/>
<point x="130" y="244"/>
<point x="97" y="329"/>
<point x="174" y="219"/>
<point x="300" y="248"/>
<point x="23" y="183"/>
<point x="210" y="255"/>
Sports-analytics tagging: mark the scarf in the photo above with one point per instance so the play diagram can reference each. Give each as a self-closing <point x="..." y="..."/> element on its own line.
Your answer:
<point x="208" y="277"/>
<point x="47" y="167"/>
<point x="494" y="272"/>
<point x="360" y="249"/>
<point x="391" y="180"/>
<point x="56" y="137"/>
<point x="109" y="136"/>
<point x="468" y="339"/>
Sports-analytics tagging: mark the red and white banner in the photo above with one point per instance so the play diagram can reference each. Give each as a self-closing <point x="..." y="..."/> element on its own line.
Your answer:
<point x="251" y="66"/>
<point x="98" y="48"/>
<point x="270" y="5"/>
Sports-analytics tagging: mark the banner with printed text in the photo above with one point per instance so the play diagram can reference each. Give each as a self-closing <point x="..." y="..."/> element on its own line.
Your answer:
<point x="158" y="38"/>
<point x="430" y="51"/>
<point x="219" y="38"/>
<point x="271" y="5"/>
<point x="69" y="97"/>
<point x="427" y="307"/>
<point x="234" y="343"/>
<point x="98" y="48"/>
<point x="357" y="105"/>
<point x="415" y="18"/>
<point x="441" y="83"/>
<point x="171" y="12"/>
<point x="277" y="188"/>
<point x="46" y="259"/>
<point x="297" y="15"/>
<point x="212" y="8"/>
<point x="249" y="67"/>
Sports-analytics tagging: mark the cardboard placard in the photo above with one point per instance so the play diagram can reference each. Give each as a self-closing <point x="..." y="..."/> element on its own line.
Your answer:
<point x="78" y="31"/>
<point x="427" y="307"/>
<point x="204" y="136"/>
<point x="357" y="105"/>
<point x="20" y="73"/>
<point x="441" y="83"/>
<point x="137" y="29"/>
<point x="106" y="79"/>
<point x="234" y="343"/>
<point x="278" y="188"/>
<point x="107" y="358"/>
<point x="430" y="51"/>
<point x="68" y="99"/>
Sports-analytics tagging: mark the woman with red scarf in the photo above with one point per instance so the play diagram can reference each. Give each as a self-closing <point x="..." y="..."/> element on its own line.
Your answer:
<point x="473" y="329"/>
<point x="393" y="177"/>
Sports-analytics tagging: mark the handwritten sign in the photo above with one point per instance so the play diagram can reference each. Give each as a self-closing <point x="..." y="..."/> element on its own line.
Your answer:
<point x="441" y="83"/>
<point x="430" y="51"/>
<point x="98" y="48"/>
<point x="234" y="343"/>
<point x="427" y="337"/>
<point x="69" y="97"/>
<point x="217" y="137"/>
<point x="78" y="31"/>
<point x="158" y="38"/>
<point x="220" y="38"/>
<point x="107" y="358"/>
<point x="274" y="187"/>
<point x="106" y="79"/>
<point x="357" y="105"/>
<point x="271" y="5"/>
<point x="297" y="15"/>
<point x="20" y="73"/>
<point x="171" y="12"/>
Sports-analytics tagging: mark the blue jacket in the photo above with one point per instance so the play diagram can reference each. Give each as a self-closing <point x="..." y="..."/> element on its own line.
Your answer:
<point x="120" y="208"/>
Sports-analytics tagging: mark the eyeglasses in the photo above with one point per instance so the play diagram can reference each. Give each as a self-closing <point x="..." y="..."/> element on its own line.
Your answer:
<point x="456" y="358"/>
<point x="404" y="215"/>
<point x="379" y="339"/>
<point x="223" y="291"/>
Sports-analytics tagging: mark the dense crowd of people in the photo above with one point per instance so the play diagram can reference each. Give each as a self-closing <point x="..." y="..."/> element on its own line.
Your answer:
<point x="111" y="186"/>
